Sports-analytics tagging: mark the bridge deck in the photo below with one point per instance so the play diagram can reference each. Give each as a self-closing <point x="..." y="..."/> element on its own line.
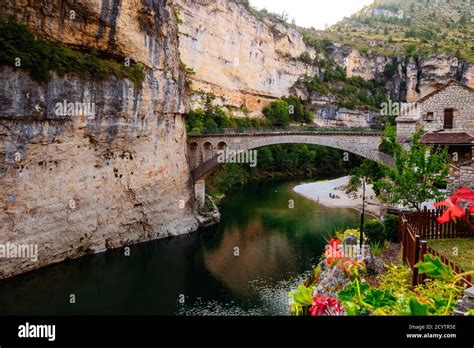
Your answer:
<point x="276" y="133"/>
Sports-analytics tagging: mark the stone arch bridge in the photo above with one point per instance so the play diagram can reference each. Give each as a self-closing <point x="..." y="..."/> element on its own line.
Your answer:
<point x="205" y="151"/>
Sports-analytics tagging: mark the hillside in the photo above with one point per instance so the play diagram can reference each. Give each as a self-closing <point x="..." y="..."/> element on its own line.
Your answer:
<point x="417" y="27"/>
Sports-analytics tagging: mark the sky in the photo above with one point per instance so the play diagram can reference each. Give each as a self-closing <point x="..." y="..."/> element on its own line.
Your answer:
<point x="313" y="13"/>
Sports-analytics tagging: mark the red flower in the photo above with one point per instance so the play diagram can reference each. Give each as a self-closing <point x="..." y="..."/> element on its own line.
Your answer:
<point x="333" y="251"/>
<point x="454" y="211"/>
<point x="325" y="305"/>
<point x="463" y="194"/>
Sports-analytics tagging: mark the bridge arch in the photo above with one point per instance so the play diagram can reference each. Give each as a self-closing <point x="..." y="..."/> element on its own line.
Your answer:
<point x="207" y="151"/>
<point x="362" y="144"/>
<point x="194" y="154"/>
<point x="222" y="145"/>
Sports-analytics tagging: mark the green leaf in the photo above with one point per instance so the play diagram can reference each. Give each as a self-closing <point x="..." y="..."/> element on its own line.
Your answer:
<point x="351" y="308"/>
<point x="417" y="308"/>
<point x="303" y="296"/>
<point x="378" y="298"/>
<point x="435" y="268"/>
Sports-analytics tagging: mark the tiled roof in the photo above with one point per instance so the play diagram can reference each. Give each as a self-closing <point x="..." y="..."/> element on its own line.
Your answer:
<point x="447" y="138"/>
<point x="443" y="87"/>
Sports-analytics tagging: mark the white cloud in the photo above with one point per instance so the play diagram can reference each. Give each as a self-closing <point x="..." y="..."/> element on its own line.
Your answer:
<point x="313" y="13"/>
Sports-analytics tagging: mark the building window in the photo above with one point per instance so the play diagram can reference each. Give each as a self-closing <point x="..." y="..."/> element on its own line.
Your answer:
<point x="448" y="118"/>
<point x="429" y="116"/>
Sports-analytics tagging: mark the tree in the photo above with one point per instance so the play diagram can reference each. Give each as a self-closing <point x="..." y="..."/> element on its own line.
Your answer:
<point x="417" y="176"/>
<point x="370" y="171"/>
<point x="277" y="113"/>
<point x="297" y="110"/>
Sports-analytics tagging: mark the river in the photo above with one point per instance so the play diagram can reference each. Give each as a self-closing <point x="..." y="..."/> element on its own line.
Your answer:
<point x="268" y="241"/>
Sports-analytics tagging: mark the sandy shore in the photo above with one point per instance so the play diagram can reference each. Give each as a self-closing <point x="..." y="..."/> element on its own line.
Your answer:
<point x="319" y="192"/>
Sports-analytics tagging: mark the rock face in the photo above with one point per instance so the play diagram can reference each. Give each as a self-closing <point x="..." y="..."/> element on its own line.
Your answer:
<point x="328" y="114"/>
<point x="248" y="61"/>
<point x="417" y="78"/>
<point x="244" y="60"/>
<point x="77" y="184"/>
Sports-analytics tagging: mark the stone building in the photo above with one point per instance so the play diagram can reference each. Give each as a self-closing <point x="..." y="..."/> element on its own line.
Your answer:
<point x="447" y="117"/>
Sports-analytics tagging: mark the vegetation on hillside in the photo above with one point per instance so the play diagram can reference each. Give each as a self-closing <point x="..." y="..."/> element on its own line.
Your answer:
<point x="350" y="93"/>
<point x="416" y="27"/>
<point x="19" y="48"/>
<point x="278" y="113"/>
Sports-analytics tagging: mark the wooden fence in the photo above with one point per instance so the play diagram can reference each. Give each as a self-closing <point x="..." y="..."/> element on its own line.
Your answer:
<point x="416" y="228"/>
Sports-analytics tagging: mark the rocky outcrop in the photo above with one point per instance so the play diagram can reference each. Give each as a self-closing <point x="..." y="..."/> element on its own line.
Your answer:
<point x="247" y="60"/>
<point x="77" y="184"/>
<point x="418" y="77"/>
<point x="244" y="60"/>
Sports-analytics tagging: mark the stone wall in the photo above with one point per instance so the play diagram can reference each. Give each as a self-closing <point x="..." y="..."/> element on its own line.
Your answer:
<point x="406" y="127"/>
<point x="454" y="96"/>
<point x="462" y="176"/>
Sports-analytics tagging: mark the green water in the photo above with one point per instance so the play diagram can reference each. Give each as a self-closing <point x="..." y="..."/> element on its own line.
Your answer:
<point x="267" y="242"/>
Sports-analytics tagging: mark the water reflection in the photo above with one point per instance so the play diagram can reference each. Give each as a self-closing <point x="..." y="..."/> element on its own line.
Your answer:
<point x="277" y="247"/>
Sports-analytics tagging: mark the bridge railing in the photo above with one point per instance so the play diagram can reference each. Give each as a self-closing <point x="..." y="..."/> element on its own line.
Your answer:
<point x="289" y="129"/>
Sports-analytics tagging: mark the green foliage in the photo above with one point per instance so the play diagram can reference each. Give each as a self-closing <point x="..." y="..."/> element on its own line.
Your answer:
<point x="229" y="177"/>
<point x="341" y="235"/>
<point x="417" y="176"/>
<point x="370" y="170"/>
<point x="214" y="118"/>
<point x="435" y="268"/>
<point x="377" y="248"/>
<point x="301" y="300"/>
<point x="284" y="161"/>
<point x="397" y="279"/>
<point x="395" y="296"/>
<point x="425" y="28"/>
<point x="439" y="292"/>
<point x="354" y="92"/>
<point x="389" y="142"/>
<point x="297" y="110"/>
<point x="391" y="227"/>
<point x="277" y="113"/>
<point x="362" y="299"/>
<point x="40" y="57"/>
<point x="374" y="231"/>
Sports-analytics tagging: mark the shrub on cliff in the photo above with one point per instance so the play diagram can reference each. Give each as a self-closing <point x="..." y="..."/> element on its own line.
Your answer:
<point x="20" y="49"/>
<point x="277" y="113"/>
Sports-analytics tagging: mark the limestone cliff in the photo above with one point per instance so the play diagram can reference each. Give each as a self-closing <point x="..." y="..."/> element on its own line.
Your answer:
<point x="244" y="60"/>
<point x="79" y="184"/>
<point x="247" y="60"/>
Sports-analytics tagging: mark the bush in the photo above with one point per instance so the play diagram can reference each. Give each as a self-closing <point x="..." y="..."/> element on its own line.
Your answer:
<point x="391" y="227"/>
<point x="277" y="113"/>
<point x="374" y="231"/>
<point x="39" y="57"/>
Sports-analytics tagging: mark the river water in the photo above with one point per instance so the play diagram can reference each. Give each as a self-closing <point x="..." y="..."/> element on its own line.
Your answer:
<point x="267" y="243"/>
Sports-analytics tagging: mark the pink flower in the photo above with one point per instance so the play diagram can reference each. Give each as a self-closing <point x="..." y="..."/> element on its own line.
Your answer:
<point x="325" y="305"/>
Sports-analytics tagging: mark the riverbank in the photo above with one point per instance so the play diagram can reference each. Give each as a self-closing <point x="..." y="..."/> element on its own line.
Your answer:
<point x="320" y="193"/>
